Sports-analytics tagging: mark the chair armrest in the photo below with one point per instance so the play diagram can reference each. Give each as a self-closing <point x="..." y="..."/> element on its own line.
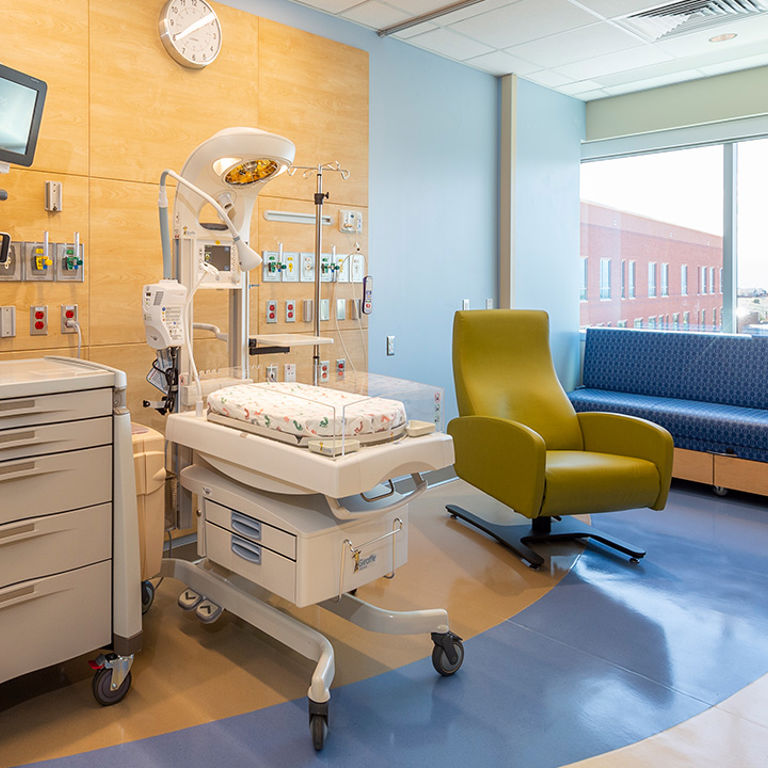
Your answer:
<point x="630" y="436"/>
<point x="503" y="458"/>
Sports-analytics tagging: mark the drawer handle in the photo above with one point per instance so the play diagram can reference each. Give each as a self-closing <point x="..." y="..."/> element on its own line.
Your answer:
<point x="246" y="550"/>
<point x="15" y="594"/>
<point x="19" y="438"/>
<point x="16" y="405"/>
<point x="18" y="470"/>
<point x="16" y="530"/>
<point x="246" y="525"/>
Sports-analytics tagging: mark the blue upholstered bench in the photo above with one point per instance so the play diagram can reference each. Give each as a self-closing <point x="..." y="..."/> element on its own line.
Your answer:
<point x="709" y="390"/>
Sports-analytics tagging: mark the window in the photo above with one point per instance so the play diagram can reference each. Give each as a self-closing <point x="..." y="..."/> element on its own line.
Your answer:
<point x="651" y="322"/>
<point x="675" y="321"/>
<point x="584" y="278"/>
<point x="702" y="280"/>
<point x="621" y="324"/>
<point x="605" y="278"/>
<point x="686" y="321"/>
<point x="638" y="322"/>
<point x="714" y="319"/>
<point x="711" y="279"/>
<point x="703" y="323"/>
<point x="660" y="215"/>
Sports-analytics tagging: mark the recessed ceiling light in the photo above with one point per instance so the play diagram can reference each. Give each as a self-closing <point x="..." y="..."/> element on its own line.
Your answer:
<point x="722" y="38"/>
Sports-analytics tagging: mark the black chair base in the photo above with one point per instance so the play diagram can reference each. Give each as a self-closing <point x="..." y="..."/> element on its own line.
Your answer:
<point x="517" y="537"/>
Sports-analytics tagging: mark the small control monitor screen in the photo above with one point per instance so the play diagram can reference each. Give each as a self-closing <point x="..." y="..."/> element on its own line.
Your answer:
<point x="218" y="256"/>
<point x="21" y="109"/>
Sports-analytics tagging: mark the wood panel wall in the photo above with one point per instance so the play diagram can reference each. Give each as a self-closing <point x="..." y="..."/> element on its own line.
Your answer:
<point x="119" y="110"/>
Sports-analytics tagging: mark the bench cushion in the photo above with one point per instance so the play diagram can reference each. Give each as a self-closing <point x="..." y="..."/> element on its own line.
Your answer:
<point x="695" y="425"/>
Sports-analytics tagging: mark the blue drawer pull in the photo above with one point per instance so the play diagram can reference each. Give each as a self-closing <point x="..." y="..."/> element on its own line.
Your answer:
<point x="246" y="525"/>
<point x="246" y="550"/>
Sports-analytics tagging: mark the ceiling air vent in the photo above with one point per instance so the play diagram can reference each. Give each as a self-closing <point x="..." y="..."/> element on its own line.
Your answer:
<point x="689" y="16"/>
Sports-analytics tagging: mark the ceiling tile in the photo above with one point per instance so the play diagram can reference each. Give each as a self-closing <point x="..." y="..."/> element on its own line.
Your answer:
<point x="375" y="14"/>
<point x="419" y="29"/>
<point x="331" y="6"/>
<point x="475" y="10"/>
<point x="653" y="82"/>
<point x="419" y="7"/>
<point x="575" y="45"/>
<point x="614" y="62"/>
<point x="571" y="89"/>
<point x="591" y="95"/>
<point x="523" y="21"/>
<point x="500" y="63"/>
<point x="548" y="78"/>
<point x="613" y="9"/>
<point x="750" y="31"/>
<point x="749" y="63"/>
<point x="450" y="44"/>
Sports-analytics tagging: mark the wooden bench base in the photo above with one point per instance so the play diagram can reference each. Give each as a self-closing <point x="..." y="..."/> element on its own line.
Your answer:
<point x="721" y="471"/>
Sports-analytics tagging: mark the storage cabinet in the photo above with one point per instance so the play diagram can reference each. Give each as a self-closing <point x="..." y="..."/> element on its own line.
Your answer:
<point x="69" y="559"/>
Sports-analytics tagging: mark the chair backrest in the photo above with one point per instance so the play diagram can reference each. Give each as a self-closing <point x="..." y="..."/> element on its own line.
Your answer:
<point x="502" y="367"/>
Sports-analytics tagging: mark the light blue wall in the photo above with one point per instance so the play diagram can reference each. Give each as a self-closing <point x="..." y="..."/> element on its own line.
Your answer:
<point x="548" y="130"/>
<point x="433" y="193"/>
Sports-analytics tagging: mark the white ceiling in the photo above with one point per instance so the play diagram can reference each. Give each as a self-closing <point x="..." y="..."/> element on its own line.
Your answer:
<point x="576" y="47"/>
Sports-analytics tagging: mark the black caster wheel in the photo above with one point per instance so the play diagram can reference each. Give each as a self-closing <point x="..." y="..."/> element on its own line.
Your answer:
<point x="147" y="595"/>
<point x="102" y="690"/>
<point x="440" y="658"/>
<point x="318" y="727"/>
<point x="719" y="490"/>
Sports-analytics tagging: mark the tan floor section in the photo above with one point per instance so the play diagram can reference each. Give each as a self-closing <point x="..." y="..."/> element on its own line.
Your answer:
<point x="190" y="673"/>
<point x="734" y="734"/>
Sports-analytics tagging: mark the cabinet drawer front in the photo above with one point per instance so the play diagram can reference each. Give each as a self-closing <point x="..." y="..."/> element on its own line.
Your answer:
<point x="51" y="409"/>
<point x="256" y="563"/>
<point x="250" y="528"/>
<point x="54" y="438"/>
<point x="50" y="620"/>
<point x="42" y="546"/>
<point x="45" y="485"/>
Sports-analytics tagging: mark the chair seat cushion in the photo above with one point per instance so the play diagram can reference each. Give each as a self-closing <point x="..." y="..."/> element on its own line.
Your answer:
<point x="695" y="425"/>
<point x="580" y="482"/>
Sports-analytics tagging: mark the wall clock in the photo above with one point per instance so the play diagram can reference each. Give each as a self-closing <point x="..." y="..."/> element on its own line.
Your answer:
<point x="191" y="32"/>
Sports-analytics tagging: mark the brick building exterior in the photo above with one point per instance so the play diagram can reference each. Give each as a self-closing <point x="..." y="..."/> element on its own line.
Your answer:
<point x="642" y="273"/>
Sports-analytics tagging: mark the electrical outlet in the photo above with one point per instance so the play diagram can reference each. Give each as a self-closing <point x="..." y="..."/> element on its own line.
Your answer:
<point x="341" y="367"/>
<point x="325" y="309"/>
<point x="272" y="373"/>
<point x="38" y="320"/>
<point x="307" y="270"/>
<point x="390" y="345"/>
<point x="309" y="310"/>
<point x="69" y="312"/>
<point x="271" y="311"/>
<point x="325" y="374"/>
<point x="341" y="309"/>
<point x="465" y="303"/>
<point x="289" y="372"/>
<point x="290" y="310"/>
<point x="489" y="303"/>
<point x="356" y="268"/>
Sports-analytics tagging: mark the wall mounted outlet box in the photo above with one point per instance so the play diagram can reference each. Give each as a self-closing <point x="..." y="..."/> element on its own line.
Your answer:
<point x="325" y="309"/>
<point x="341" y="367"/>
<point x="350" y="221"/>
<point x="290" y="310"/>
<point x="465" y="303"/>
<point x="272" y="373"/>
<point x="69" y="313"/>
<point x="390" y="345"/>
<point x="53" y="196"/>
<point x="270" y="267"/>
<point x="289" y="372"/>
<point x="7" y="322"/>
<point x="307" y="267"/>
<point x="308" y="310"/>
<point x="38" y="320"/>
<point x="341" y="309"/>
<point x="271" y="311"/>
<point x="38" y="262"/>
<point x="326" y="270"/>
<point x="11" y="268"/>
<point x="290" y="267"/>
<point x="354" y="309"/>
<point x="342" y="267"/>
<point x="70" y="262"/>
<point x="325" y="373"/>
<point x="356" y="268"/>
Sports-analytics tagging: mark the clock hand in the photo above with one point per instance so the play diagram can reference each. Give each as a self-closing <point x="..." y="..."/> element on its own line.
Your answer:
<point x="194" y="27"/>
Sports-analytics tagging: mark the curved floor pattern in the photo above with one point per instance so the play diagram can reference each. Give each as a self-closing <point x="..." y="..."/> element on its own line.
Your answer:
<point x="612" y="655"/>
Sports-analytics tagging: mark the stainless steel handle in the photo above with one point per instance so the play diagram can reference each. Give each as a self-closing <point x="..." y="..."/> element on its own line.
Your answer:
<point x="355" y="551"/>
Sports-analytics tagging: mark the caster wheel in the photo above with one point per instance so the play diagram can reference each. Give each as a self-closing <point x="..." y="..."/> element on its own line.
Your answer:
<point x="147" y="595"/>
<point x="318" y="727"/>
<point x="719" y="490"/>
<point x="102" y="690"/>
<point x="441" y="662"/>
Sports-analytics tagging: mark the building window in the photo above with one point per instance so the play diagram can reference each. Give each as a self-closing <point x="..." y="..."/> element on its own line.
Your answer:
<point x="651" y="279"/>
<point x="720" y="281"/>
<point x="621" y="324"/>
<point x="702" y="280"/>
<point x="623" y="279"/>
<point x="683" y="279"/>
<point x="638" y="322"/>
<point x="632" y="279"/>
<point x="711" y="279"/>
<point x="703" y="324"/>
<point x="675" y="321"/>
<point x="665" y="279"/>
<point x="605" y="278"/>
<point x="651" y="322"/>
<point x="686" y="321"/>
<point x="584" y="276"/>
<point x="714" y="319"/>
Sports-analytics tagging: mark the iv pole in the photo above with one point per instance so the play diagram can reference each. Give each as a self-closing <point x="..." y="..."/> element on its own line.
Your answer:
<point x="320" y="197"/>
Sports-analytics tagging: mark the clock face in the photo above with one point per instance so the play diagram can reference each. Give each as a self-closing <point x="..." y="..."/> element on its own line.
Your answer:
<point x="190" y="32"/>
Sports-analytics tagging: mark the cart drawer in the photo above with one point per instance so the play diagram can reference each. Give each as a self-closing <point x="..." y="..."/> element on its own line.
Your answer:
<point x="54" y="438"/>
<point x="51" y="409"/>
<point x="253" y="561"/>
<point x="47" y="621"/>
<point x="56" y="483"/>
<point x="251" y="528"/>
<point x="42" y="546"/>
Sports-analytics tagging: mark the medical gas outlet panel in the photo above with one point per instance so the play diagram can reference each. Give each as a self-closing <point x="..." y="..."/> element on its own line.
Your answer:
<point x="293" y="266"/>
<point x="29" y="261"/>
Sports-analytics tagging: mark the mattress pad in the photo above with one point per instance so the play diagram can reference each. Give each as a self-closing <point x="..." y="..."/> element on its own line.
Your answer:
<point x="305" y="411"/>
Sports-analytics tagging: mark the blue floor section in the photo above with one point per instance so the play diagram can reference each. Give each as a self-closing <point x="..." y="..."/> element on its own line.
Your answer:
<point x="615" y="653"/>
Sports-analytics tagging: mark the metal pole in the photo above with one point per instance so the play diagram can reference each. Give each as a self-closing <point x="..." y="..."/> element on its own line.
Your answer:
<point x="319" y="197"/>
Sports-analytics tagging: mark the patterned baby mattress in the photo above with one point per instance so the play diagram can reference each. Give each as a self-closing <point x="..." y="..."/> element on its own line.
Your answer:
<point x="305" y="411"/>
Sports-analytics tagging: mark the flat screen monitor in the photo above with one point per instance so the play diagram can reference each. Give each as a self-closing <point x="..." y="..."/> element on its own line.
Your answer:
<point x="21" y="109"/>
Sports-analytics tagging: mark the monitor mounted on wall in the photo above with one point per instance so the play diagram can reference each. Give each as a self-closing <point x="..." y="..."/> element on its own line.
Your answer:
<point x="21" y="109"/>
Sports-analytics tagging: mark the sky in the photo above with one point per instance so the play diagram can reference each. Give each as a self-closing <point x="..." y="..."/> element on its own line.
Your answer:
<point x="685" y="187"/>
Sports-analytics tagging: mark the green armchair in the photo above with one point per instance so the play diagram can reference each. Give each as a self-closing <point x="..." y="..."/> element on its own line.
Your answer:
<point x="518" y="438"/>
